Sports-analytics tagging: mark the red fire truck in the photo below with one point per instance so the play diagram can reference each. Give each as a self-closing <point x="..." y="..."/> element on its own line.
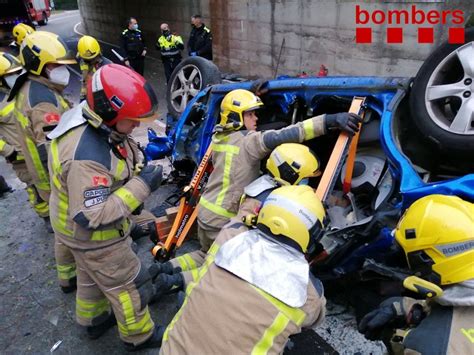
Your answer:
<point x="25" y="11"/>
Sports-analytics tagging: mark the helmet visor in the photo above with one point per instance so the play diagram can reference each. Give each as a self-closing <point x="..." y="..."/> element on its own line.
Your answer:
<point x="154" y="116"/>
<point x="255" y="107"/>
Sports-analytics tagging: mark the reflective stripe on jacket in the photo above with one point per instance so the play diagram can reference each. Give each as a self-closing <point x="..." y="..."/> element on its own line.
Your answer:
<point x="170" y="48"/>
<point x="38" y="109"/>
<point x="93" y="190"/>
<point x="236" y="159"/>
<point x="88" y="69"/>
<point x="8" y="136"/>
<point x="244" y="319"/>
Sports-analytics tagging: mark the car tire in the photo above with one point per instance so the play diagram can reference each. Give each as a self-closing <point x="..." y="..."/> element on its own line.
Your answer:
<point x="191" y="76"/>
<point x="44" y="21"/>
<point x="442" y="98"/>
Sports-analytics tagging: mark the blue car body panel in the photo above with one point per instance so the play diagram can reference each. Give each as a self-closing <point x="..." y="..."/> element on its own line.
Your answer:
<point x="383" y="96"/>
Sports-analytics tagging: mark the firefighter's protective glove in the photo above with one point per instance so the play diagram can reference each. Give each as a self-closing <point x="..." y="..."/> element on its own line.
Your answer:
<point x="345" y="121"/>
<point x="152" y="176"/>
<point x="390" y="315"/>
<point x="162" y="268"/>
<point x="138" y="232"/>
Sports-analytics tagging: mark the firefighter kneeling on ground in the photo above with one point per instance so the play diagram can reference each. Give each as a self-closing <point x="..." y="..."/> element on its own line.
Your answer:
<point x="436" y="235"/>
<point x="288" y="164"/>
<point x="90" y="59"/>
<point x="254" y="289"/>
<point x="237" y="149"/>
<point x="97" y="182"/>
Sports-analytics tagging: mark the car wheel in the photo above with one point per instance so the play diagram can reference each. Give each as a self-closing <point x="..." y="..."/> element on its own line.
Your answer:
<point x="189" y="77"/>
<point x="44" y="21"/>
<point x="442" y="97"/>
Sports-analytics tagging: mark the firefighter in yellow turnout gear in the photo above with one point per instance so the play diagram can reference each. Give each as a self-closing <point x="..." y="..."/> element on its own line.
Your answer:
<point x="237" y="149"/>
<point x="254" y="289"/>
<point x="90" y="59"/>
<point x="39" y="105"/>
<point x="9" y="143"/>
<point x="288" y="164"/>
<point x="436" y="234"/>
<point x="97" y="184"/>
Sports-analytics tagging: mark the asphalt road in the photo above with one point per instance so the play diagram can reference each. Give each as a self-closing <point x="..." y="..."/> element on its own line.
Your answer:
<point x="34" y="312"/>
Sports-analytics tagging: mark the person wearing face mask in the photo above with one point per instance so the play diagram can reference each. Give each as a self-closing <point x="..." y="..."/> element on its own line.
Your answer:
<point x="98" y="181"/>
<point x="170" y="47"/>
<point x="39" y="105"/>
<point x="200" y="39"/>
<point x="10" y="147"/>
<point x="90" y="59"/>
<point x="133" y="46"/>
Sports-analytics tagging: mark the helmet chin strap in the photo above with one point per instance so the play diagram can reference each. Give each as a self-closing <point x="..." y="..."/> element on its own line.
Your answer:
<point x="95" y="120"/>
<point x="234" y="126"/>
<point x="115" y="138"/>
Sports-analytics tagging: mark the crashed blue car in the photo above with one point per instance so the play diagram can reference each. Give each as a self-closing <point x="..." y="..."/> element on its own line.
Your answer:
<point x="417" y="139"/>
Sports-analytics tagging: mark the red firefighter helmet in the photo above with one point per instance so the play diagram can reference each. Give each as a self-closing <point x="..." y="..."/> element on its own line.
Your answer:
<point x="117" y="93"/>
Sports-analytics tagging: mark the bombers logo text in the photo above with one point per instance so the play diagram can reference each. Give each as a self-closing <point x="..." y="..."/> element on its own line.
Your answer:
<point x="397" y="20"/>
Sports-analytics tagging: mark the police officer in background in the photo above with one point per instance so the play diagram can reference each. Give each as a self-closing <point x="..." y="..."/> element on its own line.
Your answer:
<point x="133" y="46"/>
<point x="200" y="39"/>
<point x="170" y="47"/>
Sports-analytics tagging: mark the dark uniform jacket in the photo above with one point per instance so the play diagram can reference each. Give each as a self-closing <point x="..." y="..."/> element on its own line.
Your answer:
<point x="200" y="41"/>
<point x="132" y="43"/>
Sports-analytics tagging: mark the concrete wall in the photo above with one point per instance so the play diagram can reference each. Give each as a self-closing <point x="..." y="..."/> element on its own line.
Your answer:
<point x="248" y="35"/>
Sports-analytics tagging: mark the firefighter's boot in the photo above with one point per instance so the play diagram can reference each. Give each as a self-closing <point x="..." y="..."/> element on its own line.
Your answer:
<point x="96" y="331"/>
<point x="71" y="287"/>
<point x="153" y="342"/>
